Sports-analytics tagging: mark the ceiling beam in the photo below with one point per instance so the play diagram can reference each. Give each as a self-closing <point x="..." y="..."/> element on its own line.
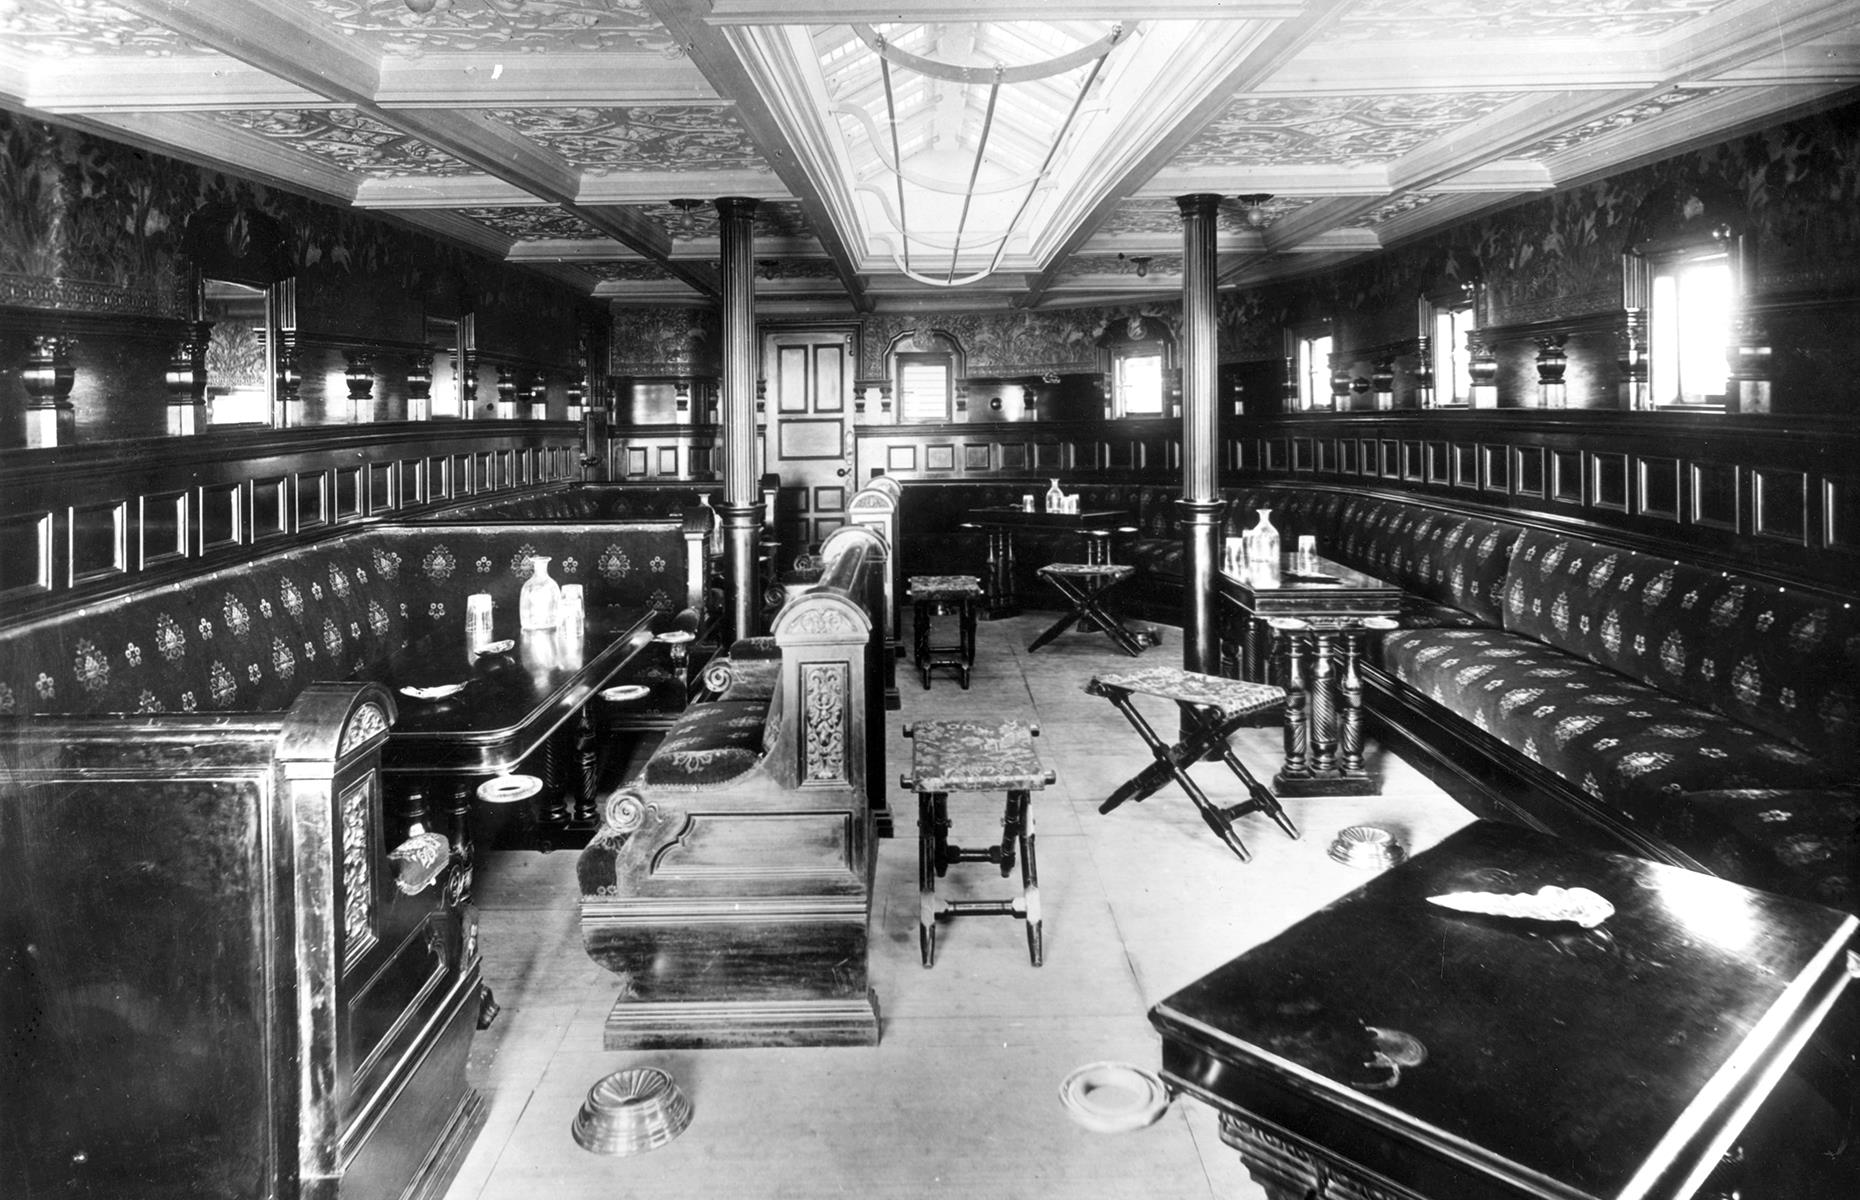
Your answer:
<point x="282" y="42"/>
<point x="846" y="12"/>
<point x="717" y="57"/>
<point x="1267" y="57"/>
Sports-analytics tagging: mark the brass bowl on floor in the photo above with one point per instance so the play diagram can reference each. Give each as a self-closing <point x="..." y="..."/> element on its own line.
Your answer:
<point x="1367" y="847"/>
<point x="630" y="1112"/>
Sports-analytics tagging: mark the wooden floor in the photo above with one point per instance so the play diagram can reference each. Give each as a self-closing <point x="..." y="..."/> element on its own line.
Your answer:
<point x="960" y="1097"/>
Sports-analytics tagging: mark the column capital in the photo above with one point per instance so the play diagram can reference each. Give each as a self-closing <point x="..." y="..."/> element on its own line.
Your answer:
<point x="736" y="206"/>
<point x="1198" y="204"/>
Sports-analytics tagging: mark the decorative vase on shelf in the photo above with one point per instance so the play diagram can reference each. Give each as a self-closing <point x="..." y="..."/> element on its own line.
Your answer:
<point x="1262" y="541"/>
<point x="1055" y="499"/>
<point x="540" y="603"/>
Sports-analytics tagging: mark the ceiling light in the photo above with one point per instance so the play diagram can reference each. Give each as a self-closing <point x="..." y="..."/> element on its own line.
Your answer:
<point x="1255" y="215"/>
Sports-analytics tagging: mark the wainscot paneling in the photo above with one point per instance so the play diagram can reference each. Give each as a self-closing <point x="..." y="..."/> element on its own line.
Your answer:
<point x="78" y="523"/>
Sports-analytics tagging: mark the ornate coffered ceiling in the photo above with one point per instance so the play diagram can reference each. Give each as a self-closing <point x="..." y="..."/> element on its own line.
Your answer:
<point x="587" y="139"/>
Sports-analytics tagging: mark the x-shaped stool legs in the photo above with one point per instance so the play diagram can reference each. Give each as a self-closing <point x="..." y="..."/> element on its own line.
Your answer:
<point x="1212" y="710"/>
<point x="1083" y="585"/>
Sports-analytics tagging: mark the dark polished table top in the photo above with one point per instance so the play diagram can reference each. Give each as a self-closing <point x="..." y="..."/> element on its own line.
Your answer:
<point x="512" y="699"/>
<point x="1331" y="588"/>
<point x="1012" y="516"/>
<point x="1559" y="1061"/>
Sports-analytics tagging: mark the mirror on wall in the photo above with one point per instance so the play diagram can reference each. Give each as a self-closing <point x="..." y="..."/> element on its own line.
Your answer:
<point x="449" y="342"/>
<point x="241" y="359"/>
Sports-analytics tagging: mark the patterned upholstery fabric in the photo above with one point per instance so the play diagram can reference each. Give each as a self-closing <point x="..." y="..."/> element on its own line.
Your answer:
<point x="1772" y="659"/>
<point x="755" y="670"/>
<point x="1612" y="737"/>
<point x="710" y="744"/>
<point x="1796" y="842"/>
<point x="247" y="639"/>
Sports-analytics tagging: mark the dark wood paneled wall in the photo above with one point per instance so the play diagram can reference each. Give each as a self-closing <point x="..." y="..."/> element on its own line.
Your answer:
<point x="1763" y="492"/>
<point x="82" y="522"/>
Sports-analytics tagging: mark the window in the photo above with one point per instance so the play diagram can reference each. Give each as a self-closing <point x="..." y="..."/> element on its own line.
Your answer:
<point x="1689" y="326"/>
<point x="239" y="353"/>
<point x="1314" y="372"/>
<point x="1452" y="359"/>
<point x="1137" y="382"/>
<point x="923" y="387"/>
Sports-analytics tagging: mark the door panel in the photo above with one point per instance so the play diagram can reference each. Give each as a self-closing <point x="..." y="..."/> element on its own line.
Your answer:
<point x="809" y="427"/>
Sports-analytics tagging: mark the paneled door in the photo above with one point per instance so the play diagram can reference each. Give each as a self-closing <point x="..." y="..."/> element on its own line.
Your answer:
<point x="808" y="372"/>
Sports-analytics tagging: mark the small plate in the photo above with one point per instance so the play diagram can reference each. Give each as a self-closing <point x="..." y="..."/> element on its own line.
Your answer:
<point x="508" y="789"/>
<point x="438" y="692"/>
<point x="1113" y="1097"/>
<point x="1381" y="623"/>
<point x="495" y="647"/>
<point x="625" y="692"/>
<point x="676" y="636"/>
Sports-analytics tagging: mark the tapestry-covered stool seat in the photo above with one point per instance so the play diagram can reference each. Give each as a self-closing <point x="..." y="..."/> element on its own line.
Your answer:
<point x="1084" y="586"/>
<point x="936" y="595"/>
<point x="1212" y="709"/>
<point x="975" y="756"/>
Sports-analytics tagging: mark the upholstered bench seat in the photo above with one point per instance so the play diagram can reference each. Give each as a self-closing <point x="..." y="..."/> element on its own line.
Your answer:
<point x="1795" y="841"/>
<point x="1610" y="735"/>
<point x="711" y="744"/>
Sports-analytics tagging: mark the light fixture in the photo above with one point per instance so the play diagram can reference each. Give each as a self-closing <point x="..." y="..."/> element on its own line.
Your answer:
<point x="932" y="252"/>
<point x="1141" y="261"/>
<point x="1255" y="215"/>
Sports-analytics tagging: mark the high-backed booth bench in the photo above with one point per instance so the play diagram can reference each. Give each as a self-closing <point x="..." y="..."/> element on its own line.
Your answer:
<point x="730" y="885"/>
<point x="1633" y="695"/>
<point x="232" y="965"/>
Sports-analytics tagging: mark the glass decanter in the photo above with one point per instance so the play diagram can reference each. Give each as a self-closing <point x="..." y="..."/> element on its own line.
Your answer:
<point x="1055" y="499"/>
<point x="540" y="603"/>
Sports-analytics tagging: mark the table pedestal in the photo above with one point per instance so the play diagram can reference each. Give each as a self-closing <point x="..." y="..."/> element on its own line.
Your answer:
<point x="1323" y="706"/>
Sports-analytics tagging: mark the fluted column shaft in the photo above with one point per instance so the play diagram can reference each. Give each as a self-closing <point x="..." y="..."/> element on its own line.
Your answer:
<point x="742" y="503"/>
<point x="1201" y="503"/>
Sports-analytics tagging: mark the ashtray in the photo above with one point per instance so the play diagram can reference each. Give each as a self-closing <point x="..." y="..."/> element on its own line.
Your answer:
<point x="1369" y="847"/>
<point x="630" y="1111"/>
<point x="508" y="789"/>
<point x="494" y="647"/>
<point x="625" y="692"/>
<point x="1112" y="1097"/>
<point x="437" y="692"/>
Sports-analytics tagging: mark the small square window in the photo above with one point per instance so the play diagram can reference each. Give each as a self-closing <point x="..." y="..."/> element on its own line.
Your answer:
<point x="923" y="387"/>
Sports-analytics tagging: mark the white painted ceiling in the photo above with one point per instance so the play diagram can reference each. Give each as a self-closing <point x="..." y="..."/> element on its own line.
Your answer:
<point x="587" y="138"/>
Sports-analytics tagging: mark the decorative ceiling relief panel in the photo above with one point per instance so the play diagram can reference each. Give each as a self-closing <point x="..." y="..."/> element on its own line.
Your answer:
<point x="67" y="29"/>
<point x="525" y="26"/>
<point x="615" y="272"/>
<point x="1407" y="202"/>
<point x="534" y="224"/>
<point x="1097" y="266"/>
<point x="347" y="140"/>
<point x="1332" y="130"/>
<point x="1164" y="217"/>
<point x="697" y="221"/>
<point x="1659" y="106"/>
<point x="1413" y="20"/>
<point x="675" y="137"/>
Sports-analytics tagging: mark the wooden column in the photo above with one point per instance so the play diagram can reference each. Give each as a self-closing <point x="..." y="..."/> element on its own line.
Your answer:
<point x="1201" y="499"/>
<point x="741" y="509"/>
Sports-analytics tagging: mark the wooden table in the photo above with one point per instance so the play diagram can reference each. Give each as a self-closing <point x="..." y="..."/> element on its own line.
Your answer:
<point x="1002" y="522"/>
<point x="1389" y="1047"/>
<point x="513" y="705"/>
<point x="1316" y="620"/>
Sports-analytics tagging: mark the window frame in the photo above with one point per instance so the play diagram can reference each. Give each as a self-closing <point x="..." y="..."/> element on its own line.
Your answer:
<point x="1713" y="232"/>
<point x="1311" y="347"/>
<point x="1664" y="357"/>
<point x="1156" y="348"/>
<point x="902" y="361"/>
